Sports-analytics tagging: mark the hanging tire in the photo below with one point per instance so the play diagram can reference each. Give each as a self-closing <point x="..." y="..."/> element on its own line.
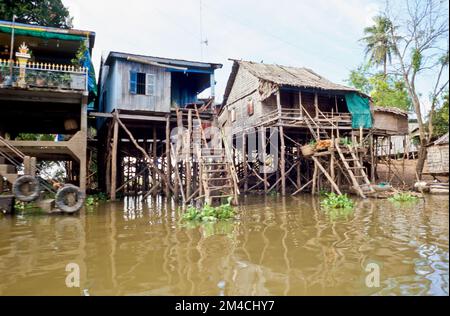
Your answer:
<point x="70" y="199"/>
<point x="26" y="188"/>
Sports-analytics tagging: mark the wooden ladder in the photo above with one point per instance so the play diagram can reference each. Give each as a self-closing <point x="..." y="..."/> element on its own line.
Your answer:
<point x="354" y="169"/>
<point x="218" y="175"/>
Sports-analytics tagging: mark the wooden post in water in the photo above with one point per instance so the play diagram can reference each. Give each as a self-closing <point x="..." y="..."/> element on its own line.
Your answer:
<point x="314" y="184"/>
<point x="155" y="159"/>
<point x="244" y="161"/>
<point x="283" y="162"/>
<point x="188" y="145"/>
<point x="168" y="157"/>
<point x="114" y="159"/>
<point x="299" y="176"/>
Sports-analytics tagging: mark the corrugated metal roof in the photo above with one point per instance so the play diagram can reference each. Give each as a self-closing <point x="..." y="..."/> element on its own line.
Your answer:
<point x="168" y="61"/>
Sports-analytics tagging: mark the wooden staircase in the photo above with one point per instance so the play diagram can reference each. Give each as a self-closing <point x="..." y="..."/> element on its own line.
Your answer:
<point x="219" y="180"/>
<point x="349" y="158"/>
<point x="8" y="171"/>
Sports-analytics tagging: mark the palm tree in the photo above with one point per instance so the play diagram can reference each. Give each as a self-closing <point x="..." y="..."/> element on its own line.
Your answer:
<point x="378" y="42"/>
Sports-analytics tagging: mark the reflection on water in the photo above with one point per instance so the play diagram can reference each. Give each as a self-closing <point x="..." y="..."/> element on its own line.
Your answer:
<point x="277" y="247"/>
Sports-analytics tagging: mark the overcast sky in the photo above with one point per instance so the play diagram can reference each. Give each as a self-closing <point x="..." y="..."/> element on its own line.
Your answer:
<point x="319" y="34"/>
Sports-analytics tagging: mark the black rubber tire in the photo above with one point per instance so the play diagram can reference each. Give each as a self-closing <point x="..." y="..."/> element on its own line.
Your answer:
<point x="31" y="196"/>
<point x="60" y="199"/>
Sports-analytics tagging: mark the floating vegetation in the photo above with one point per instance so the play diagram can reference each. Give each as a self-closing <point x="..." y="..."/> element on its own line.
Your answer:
<point x="28" y="208"/>
<point x="336" y="201"/>
<point x="209" y="213"/>
<point x="95" y="199"/>
<point x="403" y="197"/>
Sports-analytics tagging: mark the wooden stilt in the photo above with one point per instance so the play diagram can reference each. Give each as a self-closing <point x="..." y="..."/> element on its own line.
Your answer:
<point x="155" y="159"/>
<point x="114" y="161"/>
<point x="244" y="161"/>
<point x="314" y="179"/>
<point x="324" y="171"/>
<point x="188" y="164"/>
<point x="168" y="157"/>
<point x="283" y="162"/>
<point x="332" y="171"/>
<point x="299" y="176"/>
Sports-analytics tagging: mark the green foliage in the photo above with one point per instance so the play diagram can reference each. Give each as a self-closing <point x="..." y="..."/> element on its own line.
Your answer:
<point x="312" y="143"/>
<point x="378" y="41"/>
<point x="385" y="90"/>
<point x="389" y="91"/>
<point x="416" y="60"/>
<point x="77" y="61"/>
<point x="403" y="197"/>
<point x="41" y="12"/>
<point x="336" y="201"/>
<point x="345" y="141"/>
<point x="209" y="213"/>
<point x="95" y="199"/>
<point x="35" y="137"/>
<point x="441" y="118"/>
<point x="359" y="78"/>
<point x="28" y="208"/>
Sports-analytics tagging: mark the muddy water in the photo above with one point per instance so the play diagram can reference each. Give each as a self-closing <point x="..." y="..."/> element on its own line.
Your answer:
<point x="277" y="247"/>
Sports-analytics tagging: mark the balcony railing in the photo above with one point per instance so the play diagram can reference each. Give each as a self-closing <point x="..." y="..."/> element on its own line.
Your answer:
<point x="292" y="116"/>
<point x="44" y="76"/>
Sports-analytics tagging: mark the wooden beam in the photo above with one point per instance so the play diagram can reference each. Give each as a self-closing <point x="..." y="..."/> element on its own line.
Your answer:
<point x="316" y="161"/>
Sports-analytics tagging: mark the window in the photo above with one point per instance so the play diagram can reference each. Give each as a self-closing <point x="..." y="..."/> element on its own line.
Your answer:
<point x="142" y="83"/>
<point x="250" y="107"/>
<point x="233" y="115"/>
<point x="150" y="84"/>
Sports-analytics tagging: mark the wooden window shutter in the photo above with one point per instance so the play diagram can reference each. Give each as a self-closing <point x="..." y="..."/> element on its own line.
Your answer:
<point x="150" y="84"/>
<point x="250" y="107"/>
<point x="133" y="82"/>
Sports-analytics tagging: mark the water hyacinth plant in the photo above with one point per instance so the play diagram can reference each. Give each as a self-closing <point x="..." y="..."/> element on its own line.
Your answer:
<point x="403" y="197"/>
<point x="209" y="213"/>
<point x="336" y="201"/>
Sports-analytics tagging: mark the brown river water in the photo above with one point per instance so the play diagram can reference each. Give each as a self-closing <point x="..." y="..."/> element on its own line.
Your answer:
<point x="276" y="247"/>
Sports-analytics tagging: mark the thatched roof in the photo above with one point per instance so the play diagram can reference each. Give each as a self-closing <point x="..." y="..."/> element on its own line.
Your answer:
<point x="390" y="110"/>
<point x="285" y="76"/>
<point x="443" y="140"/>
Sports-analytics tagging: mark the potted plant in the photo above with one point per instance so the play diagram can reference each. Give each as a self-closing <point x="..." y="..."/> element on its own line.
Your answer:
<point x="309" y="149"/>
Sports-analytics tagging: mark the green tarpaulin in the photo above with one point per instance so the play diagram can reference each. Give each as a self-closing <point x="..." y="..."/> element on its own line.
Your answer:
<point x="360" y="109"/>
<point x="41" y="34"/>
